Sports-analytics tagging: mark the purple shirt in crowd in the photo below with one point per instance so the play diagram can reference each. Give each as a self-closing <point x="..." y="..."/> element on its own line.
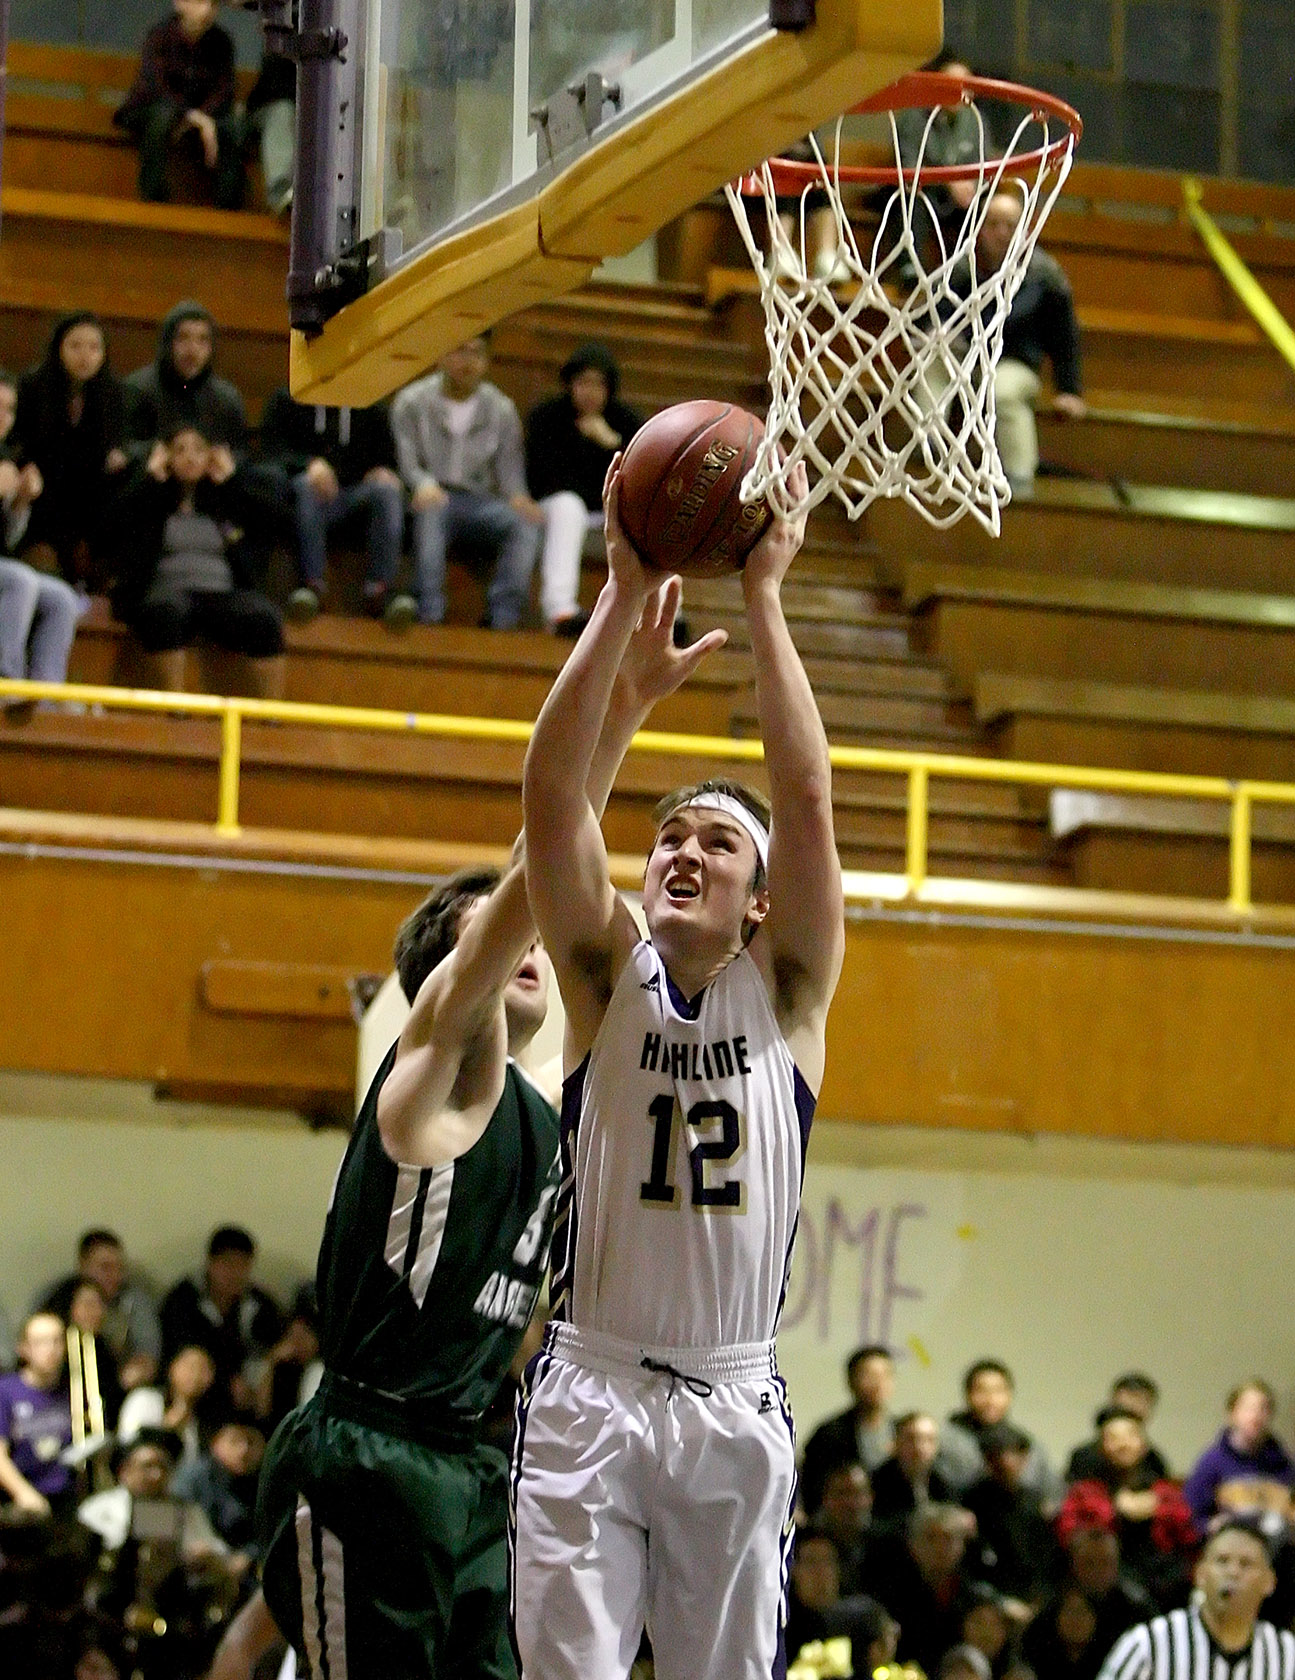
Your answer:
<point x="1223" y="1463"/>
<point x="37" y="1425"/>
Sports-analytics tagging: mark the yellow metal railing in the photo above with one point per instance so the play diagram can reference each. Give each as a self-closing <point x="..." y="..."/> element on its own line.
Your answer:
<point x="1240" y="796"/>
<point x="1235" y="272"/>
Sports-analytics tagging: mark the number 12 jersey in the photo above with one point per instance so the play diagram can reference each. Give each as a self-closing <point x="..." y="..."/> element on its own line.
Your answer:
<point x="683" y="1149"/>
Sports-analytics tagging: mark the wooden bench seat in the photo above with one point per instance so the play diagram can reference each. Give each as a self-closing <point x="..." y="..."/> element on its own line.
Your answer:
<point x="1131" y="843"/>
<point x="1185" y="539"/>
<point x="1053" y="721"/>
<point x="975" y="619"/>
<point x="1139" y="446"/>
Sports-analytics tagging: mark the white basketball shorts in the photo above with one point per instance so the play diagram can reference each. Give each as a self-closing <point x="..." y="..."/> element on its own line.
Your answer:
<point x="650" y="1487"/>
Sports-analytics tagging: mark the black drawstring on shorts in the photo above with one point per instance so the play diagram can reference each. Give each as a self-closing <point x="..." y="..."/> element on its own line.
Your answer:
<point x="695" y="1385"/>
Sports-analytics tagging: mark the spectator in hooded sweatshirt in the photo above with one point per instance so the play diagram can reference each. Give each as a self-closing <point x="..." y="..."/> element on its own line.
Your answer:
<point x="184" y="92"/>
<point x="180" y="386"/>
<point x="69" y="427"/>
<point x="341" y="463"/>
<point x="570" y="441"/>
<point x="1246" y="1470"/>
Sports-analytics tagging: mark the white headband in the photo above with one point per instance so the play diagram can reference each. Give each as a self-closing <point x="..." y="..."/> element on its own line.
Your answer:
<point x="734" y="808"/>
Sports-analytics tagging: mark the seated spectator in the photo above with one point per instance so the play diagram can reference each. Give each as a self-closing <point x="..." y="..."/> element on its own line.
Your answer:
<point x="922" y="1578"/>
<point x="38" y="613"/>
<point x="816" y="1610"/>
<point x="86" y="1312"/>
<point x="144" y="1468"/>
<point x="911" y="1476"/>
<point x="952" y="136"/>
<point x="130" y="1325"/>
<point x="223" y="1482"/>
<point x="1018" y="1552"/>
<point x="459" y="445"/>
<point x="1063" y="1641"/>
<point x="845" y="1515"/>
<point x="1093" y="1565"/>
<point x="341" y="465"/>
<point x="1148" y="1513"/>
<point x="992" y="1625"/>
<point x="180" y="387"/>
<point x="570" y="441"/>
<point x="1041" y="325"/>
<point x="185" y="574"/>
<point x="292" y="1366"/>
<point x="225" y="1312"/>
<point x="183" y="1405"/>
<point x="46" y="1573"/>
<point x="36" y="1421"/>
<point x="184" y="92"/>
<point x="863" y="1433"/>
<point x="1246" y="1469"/>
<point x="1133" y="1393"/>
<point x="988" y="1389"/>
<point x="69" y="429"/>
<point x="272" y="119"/>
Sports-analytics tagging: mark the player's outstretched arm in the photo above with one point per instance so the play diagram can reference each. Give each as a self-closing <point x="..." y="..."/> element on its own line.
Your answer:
<point x="802" y="941"/>
<point x="586" y="928"/>
<point x="459" y="1004"/>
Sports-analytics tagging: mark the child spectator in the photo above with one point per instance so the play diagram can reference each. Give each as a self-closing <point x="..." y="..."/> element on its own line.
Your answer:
<point x="272" y="117"/>
<point x="185" y="86"/>
<point x="1134" y="1393"/>
<point x="342" y="466"/>
<point x="459" y="445"/>
<point x="69" y="427"/>
<point x="184" y="573"/>
<point x="86" y="1312"/>
<point x="989" y="1390"/>
<point x="182" y="1405"/>
<point x="223" y="1482"/>
<point x="130" y="1324"/>
<point x="570" y="441"/>
<point x="36" y="1421"/>
<point x="144" y="1469"/>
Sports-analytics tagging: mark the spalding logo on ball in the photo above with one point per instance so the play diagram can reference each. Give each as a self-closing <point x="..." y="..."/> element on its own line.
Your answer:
<point x="680" y="483"/>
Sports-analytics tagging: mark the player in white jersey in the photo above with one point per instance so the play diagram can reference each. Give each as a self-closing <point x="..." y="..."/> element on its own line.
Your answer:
<point x="653" y="1473"/>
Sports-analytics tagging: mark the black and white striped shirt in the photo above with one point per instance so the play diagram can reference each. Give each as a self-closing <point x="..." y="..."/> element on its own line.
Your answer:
<point x="1178" y="1646"/>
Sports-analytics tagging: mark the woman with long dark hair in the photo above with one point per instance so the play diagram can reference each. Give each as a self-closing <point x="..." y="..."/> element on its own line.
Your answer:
<point x="70" y="426"/>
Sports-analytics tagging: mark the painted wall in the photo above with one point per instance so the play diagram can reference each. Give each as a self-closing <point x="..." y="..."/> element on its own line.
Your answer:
<point x="1071" y="1261"/>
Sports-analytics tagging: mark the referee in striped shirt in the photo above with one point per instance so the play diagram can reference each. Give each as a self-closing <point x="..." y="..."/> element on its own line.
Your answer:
<point x="1219" y="1636"/>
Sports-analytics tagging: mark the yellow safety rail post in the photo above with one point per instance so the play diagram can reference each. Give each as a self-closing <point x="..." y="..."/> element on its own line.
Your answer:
<point x="916" y="767"/>
<point x="916" y="828"/>
<point x="1239" y="851"/>
<point x="231" y="748"/>
<point x="1235" y="272"/>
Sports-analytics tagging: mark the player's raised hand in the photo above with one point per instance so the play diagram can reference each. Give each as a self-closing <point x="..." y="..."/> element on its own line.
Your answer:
<point x="623" y="562"/>
<point x="653" y="666"/>
<point x="778" y="547"/>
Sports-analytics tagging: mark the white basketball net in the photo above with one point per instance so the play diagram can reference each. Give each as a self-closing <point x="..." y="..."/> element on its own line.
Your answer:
<point x="882" y="376"/>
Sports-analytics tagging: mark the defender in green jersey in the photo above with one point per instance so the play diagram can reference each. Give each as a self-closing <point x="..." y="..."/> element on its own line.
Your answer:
<point x="382" y="1515"/>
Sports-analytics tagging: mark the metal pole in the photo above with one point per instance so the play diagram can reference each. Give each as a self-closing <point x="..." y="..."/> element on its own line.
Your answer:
<point x="915" y="860"/>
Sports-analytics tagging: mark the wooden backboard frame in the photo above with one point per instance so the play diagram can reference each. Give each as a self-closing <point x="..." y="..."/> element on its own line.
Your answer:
<point x="614" y="196"/>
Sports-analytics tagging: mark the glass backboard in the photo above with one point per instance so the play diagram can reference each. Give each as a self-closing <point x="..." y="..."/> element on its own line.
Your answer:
<point x="460" y="159"/>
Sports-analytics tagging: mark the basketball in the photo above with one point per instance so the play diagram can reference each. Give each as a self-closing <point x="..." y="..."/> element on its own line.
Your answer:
<point x="680" y="482"/>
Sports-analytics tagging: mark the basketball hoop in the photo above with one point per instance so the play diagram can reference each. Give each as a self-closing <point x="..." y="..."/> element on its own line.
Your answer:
<point x="882" y="375"/>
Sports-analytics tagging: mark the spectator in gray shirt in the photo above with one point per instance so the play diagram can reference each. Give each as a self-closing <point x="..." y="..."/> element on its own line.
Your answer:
<point x="130" y="1325"/>
<point x="459" y="449"/>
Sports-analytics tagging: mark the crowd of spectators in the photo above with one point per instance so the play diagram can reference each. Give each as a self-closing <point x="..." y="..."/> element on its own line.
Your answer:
<point x="952" y="1544"/>
<point x="137" y="1543"/>
<point x="154" y="490"/>
<point x="956" y="1546"/>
